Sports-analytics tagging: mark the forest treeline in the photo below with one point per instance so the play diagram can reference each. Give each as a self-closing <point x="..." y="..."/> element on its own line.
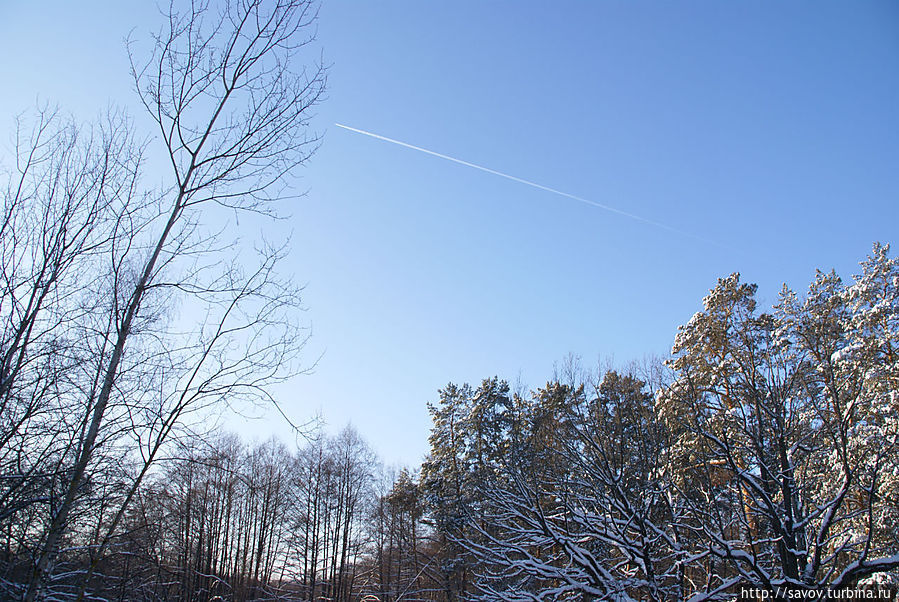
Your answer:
<point x="763" y="453"/>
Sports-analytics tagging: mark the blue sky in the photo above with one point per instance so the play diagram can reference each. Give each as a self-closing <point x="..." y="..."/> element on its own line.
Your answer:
<point x="769" y="129"/>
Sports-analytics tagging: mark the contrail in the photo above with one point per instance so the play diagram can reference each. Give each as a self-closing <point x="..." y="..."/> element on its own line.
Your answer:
<point x="523" y="181"/>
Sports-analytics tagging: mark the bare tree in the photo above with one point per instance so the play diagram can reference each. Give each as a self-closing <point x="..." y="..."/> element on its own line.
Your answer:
<point x="231" y="103"/>
<point x="401" y="563"/>
<point x="60" y="205"/>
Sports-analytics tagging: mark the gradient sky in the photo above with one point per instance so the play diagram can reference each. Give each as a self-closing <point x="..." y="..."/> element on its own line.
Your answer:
<point x="769" y="132"/>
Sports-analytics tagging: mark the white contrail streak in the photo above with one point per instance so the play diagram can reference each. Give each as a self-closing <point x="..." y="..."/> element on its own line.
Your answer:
<point x="519" y="180"/>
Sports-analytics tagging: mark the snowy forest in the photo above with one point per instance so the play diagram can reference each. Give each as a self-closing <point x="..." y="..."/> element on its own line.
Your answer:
<point x="762" y="453"/>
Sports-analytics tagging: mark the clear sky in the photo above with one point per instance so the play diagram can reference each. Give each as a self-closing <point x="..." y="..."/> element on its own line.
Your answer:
<point x="769" y="132"/>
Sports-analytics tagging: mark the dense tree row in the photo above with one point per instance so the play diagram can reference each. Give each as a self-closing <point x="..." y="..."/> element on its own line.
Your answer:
<point x="249" y="522"/>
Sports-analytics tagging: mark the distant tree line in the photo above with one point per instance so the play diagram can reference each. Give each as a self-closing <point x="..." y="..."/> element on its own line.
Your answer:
<point x="220" y="517"/>
<point x="249" y="522"/>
